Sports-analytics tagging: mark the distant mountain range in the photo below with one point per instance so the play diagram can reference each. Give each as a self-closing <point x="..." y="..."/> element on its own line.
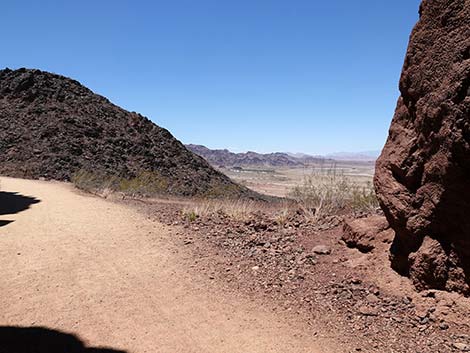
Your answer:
<point x="355" y="156"/>
<point x="226" y="158"/>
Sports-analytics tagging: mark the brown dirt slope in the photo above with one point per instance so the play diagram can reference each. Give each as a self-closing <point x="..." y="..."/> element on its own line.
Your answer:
<point x="423" y="175"/>
<point x="52" y="126"/>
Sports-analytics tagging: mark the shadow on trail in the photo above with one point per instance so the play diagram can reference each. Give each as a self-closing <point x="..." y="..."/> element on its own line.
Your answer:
<point x="4" y="223"/>
<point x="43" y="340"/>
<point x="12" y="202"/>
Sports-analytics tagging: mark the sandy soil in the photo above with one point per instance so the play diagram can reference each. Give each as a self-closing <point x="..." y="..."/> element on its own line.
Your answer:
<point x="111" y="276"/>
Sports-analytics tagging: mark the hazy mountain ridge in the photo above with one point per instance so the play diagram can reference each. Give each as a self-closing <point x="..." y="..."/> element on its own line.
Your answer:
<point x="355" y="156"/>
<point x="226" y="158"/>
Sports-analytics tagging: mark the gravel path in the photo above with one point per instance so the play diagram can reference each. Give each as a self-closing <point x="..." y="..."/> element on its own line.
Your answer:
<point x="108" y="275"/>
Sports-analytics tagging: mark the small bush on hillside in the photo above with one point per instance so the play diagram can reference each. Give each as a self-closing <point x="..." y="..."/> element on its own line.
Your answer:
<point x="191" y="215"/>
<point x="282" y="216"/>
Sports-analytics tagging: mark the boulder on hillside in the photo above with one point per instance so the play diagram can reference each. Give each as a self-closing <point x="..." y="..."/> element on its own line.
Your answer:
<point x="423" y="174"/>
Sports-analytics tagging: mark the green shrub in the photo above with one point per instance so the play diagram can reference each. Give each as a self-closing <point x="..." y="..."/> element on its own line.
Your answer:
<point x="190" y="215"/>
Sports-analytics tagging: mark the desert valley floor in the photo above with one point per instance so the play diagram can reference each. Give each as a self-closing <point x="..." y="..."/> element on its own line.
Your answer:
<point x="279" y="181"/>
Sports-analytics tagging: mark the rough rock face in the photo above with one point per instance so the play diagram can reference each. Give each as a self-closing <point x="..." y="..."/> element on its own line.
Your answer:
<point x="52" y="126"/>
<point x="364" y="233"/>
<point x="423" y="175"/>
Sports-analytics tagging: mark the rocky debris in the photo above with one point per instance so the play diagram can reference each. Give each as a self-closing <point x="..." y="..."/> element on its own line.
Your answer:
<point x="443" y="326"/>
<point x="461" y="346"/>
<point x="362" y="233"/>
<point x="322" y="250"/>
<point x="341" y="293"/>
<point x="428" y="264"/>
<point x="367" y="311"/>
<point x="422" y="176"/>
<point x="52" y="126"/>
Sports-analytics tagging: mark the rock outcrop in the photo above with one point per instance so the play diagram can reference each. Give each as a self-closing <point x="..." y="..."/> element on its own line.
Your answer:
<point x="364" y="233"/>
<point x="423" y="175"/>
<point x="52" y="127"/>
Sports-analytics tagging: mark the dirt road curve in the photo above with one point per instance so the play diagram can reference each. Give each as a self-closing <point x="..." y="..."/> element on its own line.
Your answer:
<point x="106" y="274"/>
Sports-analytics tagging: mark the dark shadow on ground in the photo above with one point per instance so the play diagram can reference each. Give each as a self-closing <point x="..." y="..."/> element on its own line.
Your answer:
<point x="12" y="202"/>
<point x="4" y="223"/>
<point x="43" y="340"/>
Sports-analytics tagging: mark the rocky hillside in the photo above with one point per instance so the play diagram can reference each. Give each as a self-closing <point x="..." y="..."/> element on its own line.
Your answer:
<point x="423" y="175"/>
<point x="225" y="158"/>
<point x="53" y="127"/>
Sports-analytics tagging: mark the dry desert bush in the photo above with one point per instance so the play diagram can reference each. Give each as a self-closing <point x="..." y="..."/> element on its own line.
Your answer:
<point x="235" y="209"/>
<point x="328" y="192"/>
<point x="324" y="193"/>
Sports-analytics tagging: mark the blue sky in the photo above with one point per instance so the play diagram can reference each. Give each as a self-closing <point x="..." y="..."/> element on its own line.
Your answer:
<point x="265" y="75"/>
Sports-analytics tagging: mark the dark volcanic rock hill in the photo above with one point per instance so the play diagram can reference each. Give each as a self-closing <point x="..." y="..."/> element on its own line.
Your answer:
<point x="52" y="127"/>
<point x="423" y="175"/>
<point x="225" y="158"/>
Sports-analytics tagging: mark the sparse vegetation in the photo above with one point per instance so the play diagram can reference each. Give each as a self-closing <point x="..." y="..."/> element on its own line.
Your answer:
<point x="282" y="216"/>
<point x="144" y="184"/>
<point x="191" y="215"/>
<point x="96" y="182"/>
<point x="222" y="191"/>
<point x="364" y="198"/>
<point x="235" y="209"/>
<point x="325" y="192"/>
<point x="329" y="192"/>
<point x="280" y="182"/>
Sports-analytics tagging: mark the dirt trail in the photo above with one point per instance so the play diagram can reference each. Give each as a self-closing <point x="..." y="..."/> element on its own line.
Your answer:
<point x="105" y="273"/>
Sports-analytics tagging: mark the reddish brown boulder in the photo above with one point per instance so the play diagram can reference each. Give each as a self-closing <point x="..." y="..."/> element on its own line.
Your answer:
<point x="423" y="175"/>
<point x="364" y="233"/>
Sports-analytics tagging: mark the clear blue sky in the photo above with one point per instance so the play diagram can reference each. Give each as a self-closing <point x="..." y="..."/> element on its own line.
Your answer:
<point x="264" y="75"/>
